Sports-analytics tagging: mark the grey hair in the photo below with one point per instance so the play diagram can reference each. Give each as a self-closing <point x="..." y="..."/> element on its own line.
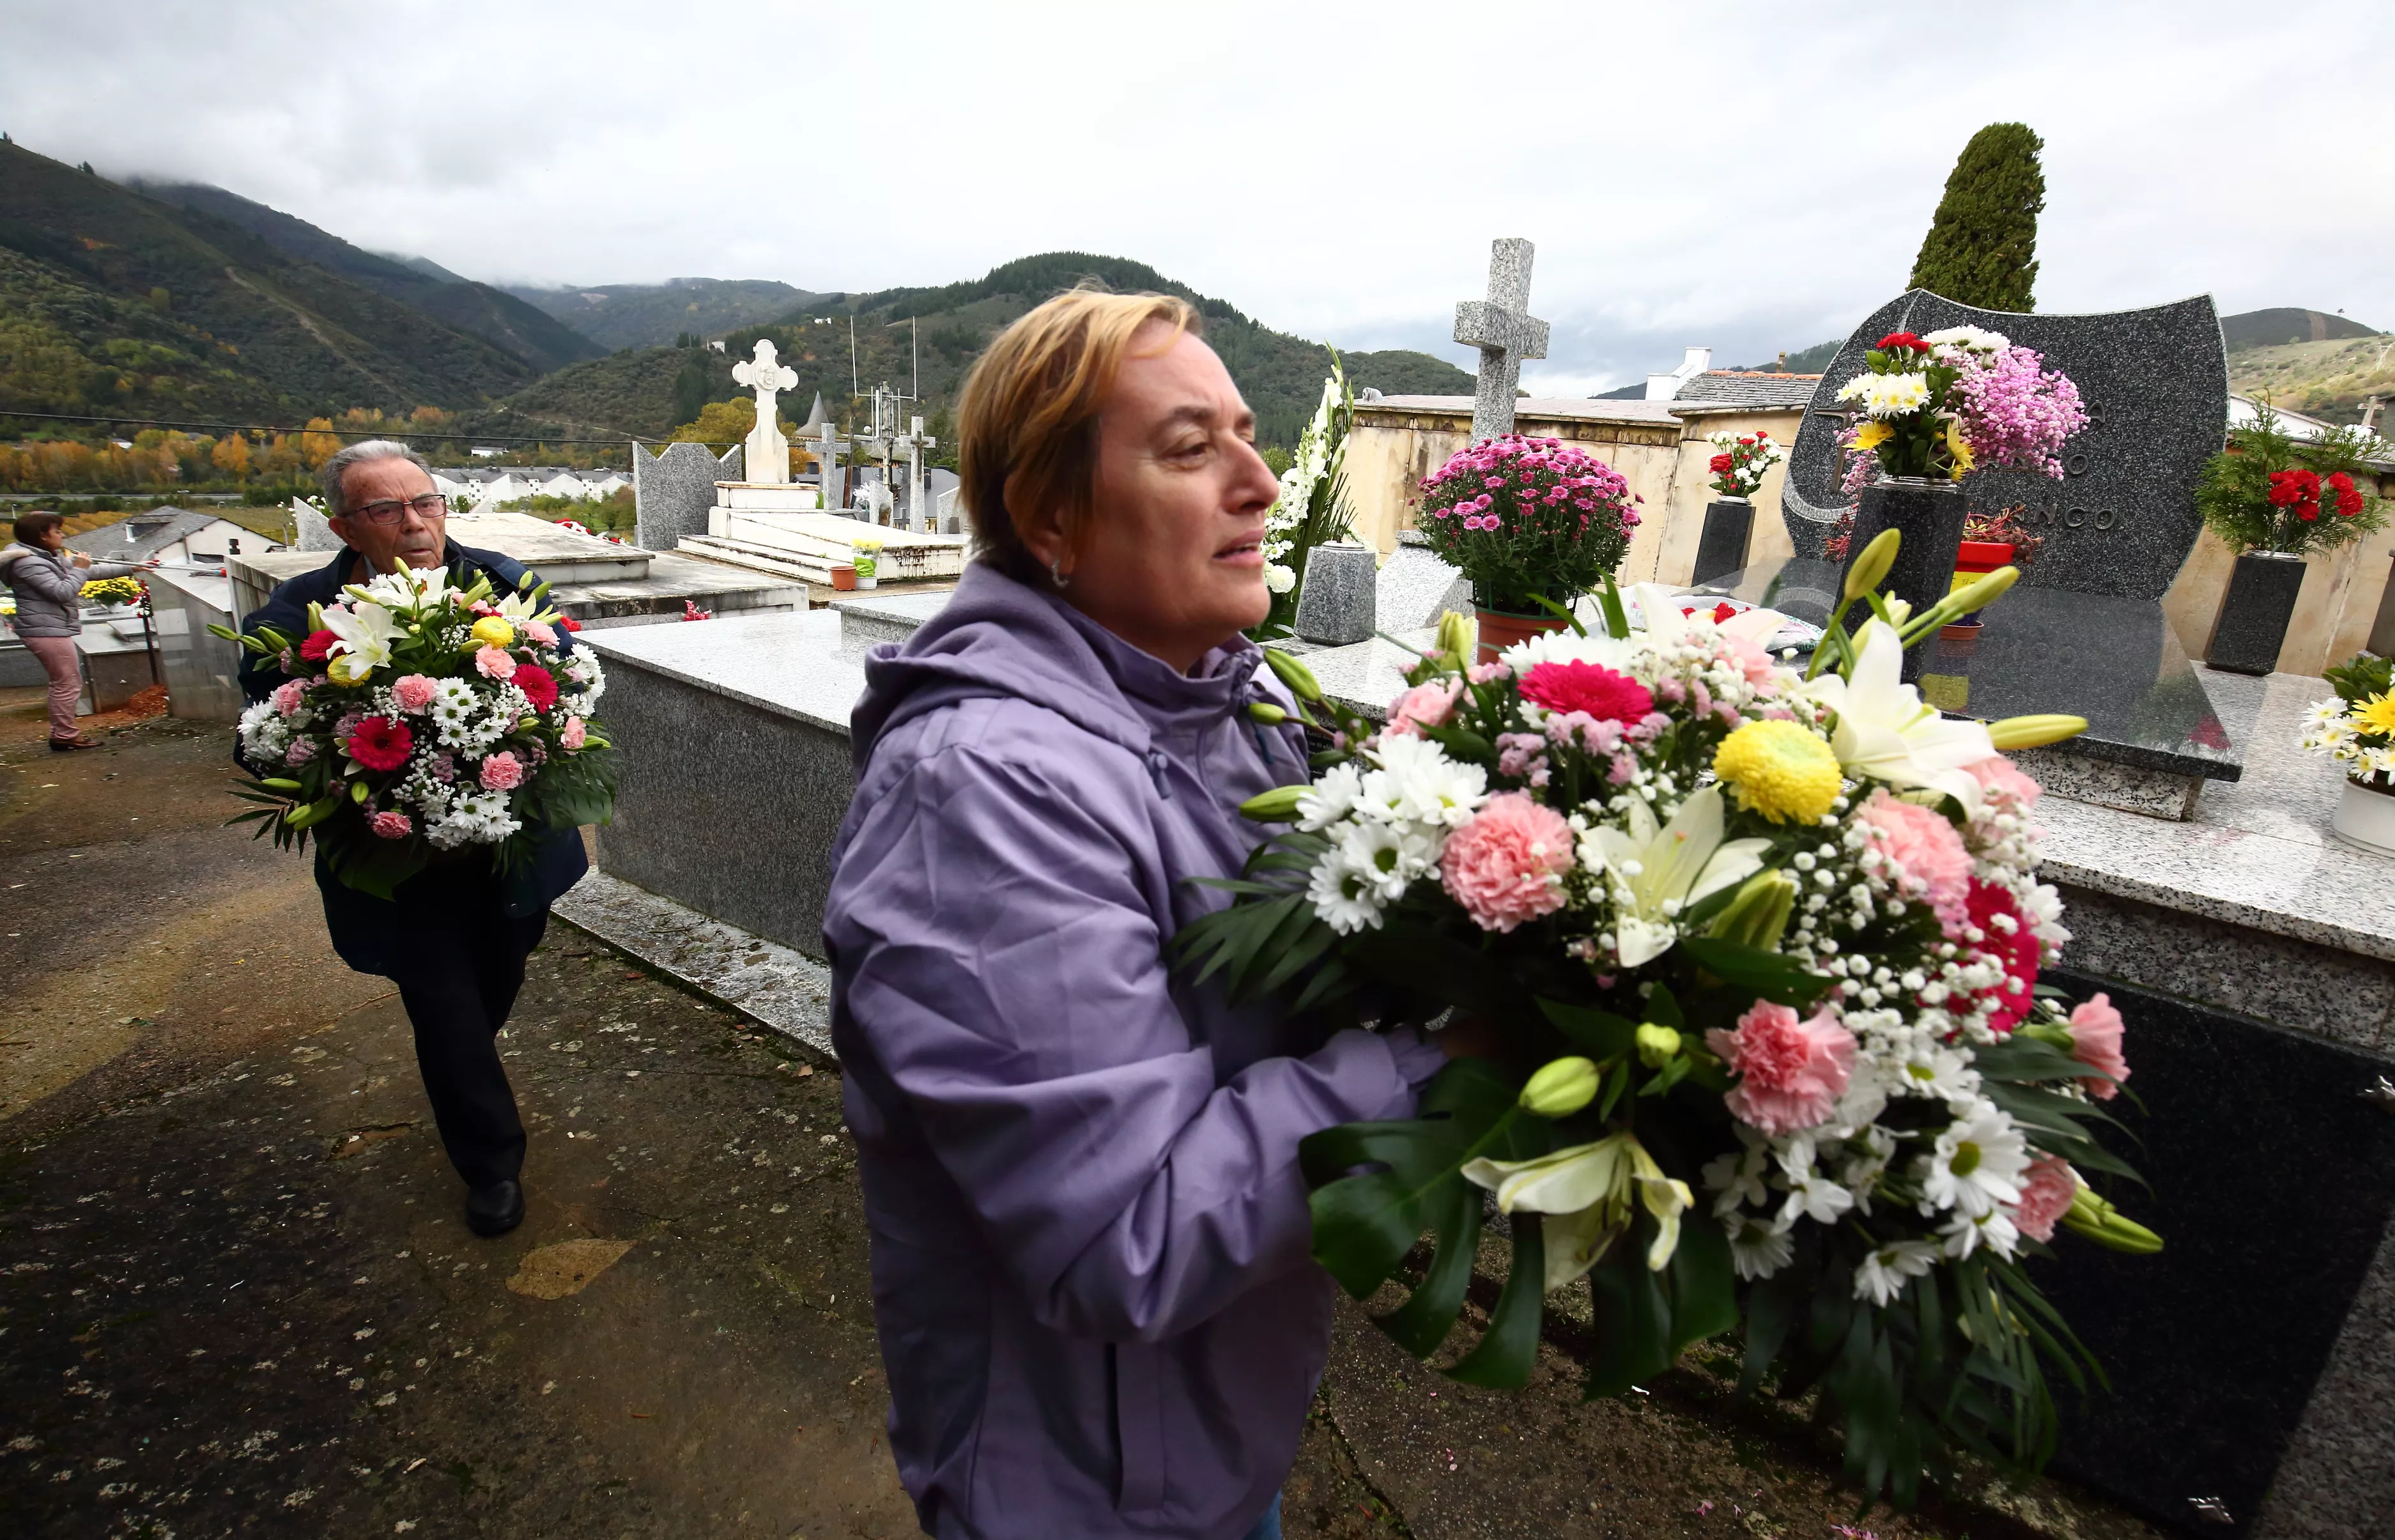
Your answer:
<point x="334" y="469"/>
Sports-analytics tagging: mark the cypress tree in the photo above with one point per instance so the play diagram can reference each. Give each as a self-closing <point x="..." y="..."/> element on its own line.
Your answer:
<point x="1982" y="248"/>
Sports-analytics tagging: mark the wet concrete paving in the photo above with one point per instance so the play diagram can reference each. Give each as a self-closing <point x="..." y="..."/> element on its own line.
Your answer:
<point x="236" y="1295"/>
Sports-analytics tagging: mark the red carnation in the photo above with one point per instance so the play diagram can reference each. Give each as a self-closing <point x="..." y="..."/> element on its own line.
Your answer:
<point x="2014" y="950"/>
<point x="2349" y="500"/>
<point x="318" y="647"/>
<point x="381" y="744"/>
<point x="1894" y="340"/>
<point x="1720" y="465"/>
<point x="2291" y="487"/>
<point x="569" y="622"/>
<point x="1590" y="687"/>
<point x="537" y="684"/>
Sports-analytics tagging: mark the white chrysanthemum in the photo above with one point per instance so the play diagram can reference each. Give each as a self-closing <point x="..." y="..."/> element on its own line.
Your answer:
<point x="1417" y="783"/>
<point x="481" y="819"/>
<point x="1563" y="647"/>
<point x="1816" y="1198"/>
<point x="1331" y="798"/>
<point x="252" y="718"/>
<point x="1935" y="1073"/>
<point x="1948" y="341"/>
<point x="1391" y="856"/>
<point x="1965" y="1234"/>
<point x="1887" y="395"/>
<point x="1756" y="1248"/>
<point x="1977" y="1163"/>
<point x="1883" y="1273"/>
<point x="1735" y="1178"/>
<point x="1279" y="579"/>
<point x="1344" y="897"/>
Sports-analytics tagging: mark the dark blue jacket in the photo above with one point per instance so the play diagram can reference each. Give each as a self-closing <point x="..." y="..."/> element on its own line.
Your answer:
<point x="365" y="929"/>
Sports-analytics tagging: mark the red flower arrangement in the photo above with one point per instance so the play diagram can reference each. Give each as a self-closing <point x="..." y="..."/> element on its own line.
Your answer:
<point x="2348" y="498"/>
<point x="381" y="744"/>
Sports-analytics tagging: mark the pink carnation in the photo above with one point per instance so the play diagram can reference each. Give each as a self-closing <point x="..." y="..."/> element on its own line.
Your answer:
<point x="1929" y="854"/>
<point x="539" y="634"/>
<point x="502" y="772"/>
<point x="2008" y="941"/>
<point x="288" y="697"/>
<point x="2095" y="1042"/>
<point x="570" y="736"/>
<point x="1423" y="706"/>
<point x="494" y="664"/>
<point x="1791" y="1072"/>
<point x="2005" y="783"/>
<point x="1507" y="865"/>
<point x="390" y="826"/>
<point x="413" y="692"/>
<point x="2046" y="1192"/>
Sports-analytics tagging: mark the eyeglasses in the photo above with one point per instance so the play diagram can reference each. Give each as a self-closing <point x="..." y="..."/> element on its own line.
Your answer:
<point x="390" y="510"/>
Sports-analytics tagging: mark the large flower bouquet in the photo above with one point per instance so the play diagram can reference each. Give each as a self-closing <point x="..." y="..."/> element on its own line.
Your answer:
<point x="1534" y="523"/>
<point x="2357" y="728"/>
<point x="2270" y="490"/>
<point x="420" y="717"/>
<point x="1953" y="402"/>
<point x="1760" y="950"/>
<point x="1741" y="460"/>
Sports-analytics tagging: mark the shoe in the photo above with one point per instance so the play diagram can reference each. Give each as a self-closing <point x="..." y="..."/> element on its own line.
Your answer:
<point x="66" y="746"/>
<point x="496" y="1209"/>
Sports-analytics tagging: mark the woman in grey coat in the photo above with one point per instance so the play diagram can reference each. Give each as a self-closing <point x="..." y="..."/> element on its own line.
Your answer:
<point x="47" y="581"/>
<point x="1092" y="1266"/>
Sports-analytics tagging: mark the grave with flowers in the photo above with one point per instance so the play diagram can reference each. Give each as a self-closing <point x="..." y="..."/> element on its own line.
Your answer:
<point x="2221" y="1017"/>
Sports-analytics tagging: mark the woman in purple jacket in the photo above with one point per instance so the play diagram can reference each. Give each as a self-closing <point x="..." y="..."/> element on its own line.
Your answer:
<point x="1091" y="1241"/>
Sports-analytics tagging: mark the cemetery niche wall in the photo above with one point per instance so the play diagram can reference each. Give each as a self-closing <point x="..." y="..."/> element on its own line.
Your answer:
<point x="2123" y="519"/>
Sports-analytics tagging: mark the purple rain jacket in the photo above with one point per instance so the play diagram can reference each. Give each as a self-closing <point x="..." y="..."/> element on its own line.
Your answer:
<point x="1098" y="1310"/>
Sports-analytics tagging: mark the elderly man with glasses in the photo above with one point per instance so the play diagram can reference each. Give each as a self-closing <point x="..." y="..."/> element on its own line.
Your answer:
<point x="455" y="936"/>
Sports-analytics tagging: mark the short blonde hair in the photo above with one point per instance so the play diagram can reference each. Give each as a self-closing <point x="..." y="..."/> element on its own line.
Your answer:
<point x="1027" y="430"/>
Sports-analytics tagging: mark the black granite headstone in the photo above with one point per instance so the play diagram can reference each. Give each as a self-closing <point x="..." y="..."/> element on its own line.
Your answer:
<point x="2272" y="1182"/>
<point x="2123" y="518"/>
<point x="1721" y="546"/>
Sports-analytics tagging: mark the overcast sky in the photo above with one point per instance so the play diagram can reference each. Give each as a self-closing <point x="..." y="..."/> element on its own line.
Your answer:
<point x="1754" y="177"/>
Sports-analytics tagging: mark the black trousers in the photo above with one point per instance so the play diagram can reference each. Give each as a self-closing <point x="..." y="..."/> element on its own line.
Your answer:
<point x="458" y="963"/>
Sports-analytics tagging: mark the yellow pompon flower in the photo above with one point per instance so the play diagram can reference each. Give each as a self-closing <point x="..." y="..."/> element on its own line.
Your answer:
<point x="349" y="670"/>
<point x="1783" y="770"/>
<point x="1870" y="435"/>
<point x="492" y="631"/>
<point x="2375" y="716"/>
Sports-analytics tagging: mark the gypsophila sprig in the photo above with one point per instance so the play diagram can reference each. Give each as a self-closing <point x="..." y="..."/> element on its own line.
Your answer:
<point x="421" y="717"/>
<point x="1761" y="950"/>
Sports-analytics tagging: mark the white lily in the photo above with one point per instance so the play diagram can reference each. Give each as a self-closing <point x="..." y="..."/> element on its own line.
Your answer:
<point x="1654" y="603"/>
<point x="1886" y="731"/>
<point x="519" y="609"/>
<point x="1658" y="872"/>
<point x="1586" y="1192"/>
<point x="365" y="632"/>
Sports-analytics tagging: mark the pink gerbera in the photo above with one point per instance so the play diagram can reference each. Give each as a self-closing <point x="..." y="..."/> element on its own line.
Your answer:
<point x="1791" y="1071"/>
<point x="1603" y="694"/>
<point x="1507" y="865"/>
<point x="537" y="684"/>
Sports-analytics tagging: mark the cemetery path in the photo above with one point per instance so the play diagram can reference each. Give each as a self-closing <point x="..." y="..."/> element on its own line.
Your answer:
<point x="236" y="1294"/>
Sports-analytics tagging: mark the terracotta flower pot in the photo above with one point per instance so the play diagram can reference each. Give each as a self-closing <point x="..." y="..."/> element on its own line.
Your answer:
<point x="1500" y="630"/>
<point x="2365" y="817"/>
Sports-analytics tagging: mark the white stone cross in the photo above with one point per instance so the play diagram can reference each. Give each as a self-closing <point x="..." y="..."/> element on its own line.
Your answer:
<point x="1504" y="331"/>
<point x="767" y="452"/>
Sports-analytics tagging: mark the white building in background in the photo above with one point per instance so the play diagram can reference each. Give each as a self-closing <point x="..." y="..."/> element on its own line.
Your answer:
<point x="480" y="484"/>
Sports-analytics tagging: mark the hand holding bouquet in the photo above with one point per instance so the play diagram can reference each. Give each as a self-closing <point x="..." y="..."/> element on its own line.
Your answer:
<point x="1762" y="949"/>
<point x="420" y="717"/>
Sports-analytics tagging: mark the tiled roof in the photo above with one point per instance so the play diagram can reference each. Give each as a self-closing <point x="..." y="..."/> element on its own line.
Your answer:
<point x="1747" y="388"/>
<point x="138" y="536"/>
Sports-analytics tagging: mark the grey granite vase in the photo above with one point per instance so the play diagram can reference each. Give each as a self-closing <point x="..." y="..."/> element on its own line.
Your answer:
<point x="1721" y="549"/>
<point x="2255" y="612"/>
<point x="1928" y="514"/>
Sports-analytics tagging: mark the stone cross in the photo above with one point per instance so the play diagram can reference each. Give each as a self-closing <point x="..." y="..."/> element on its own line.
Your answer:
<point x="834" y="493"/>
<point x="767" y="453"/>
<point x="1505" y="332"/>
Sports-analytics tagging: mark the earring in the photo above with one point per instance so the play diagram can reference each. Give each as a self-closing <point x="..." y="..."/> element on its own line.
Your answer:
<point x="1056" y="571"/>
